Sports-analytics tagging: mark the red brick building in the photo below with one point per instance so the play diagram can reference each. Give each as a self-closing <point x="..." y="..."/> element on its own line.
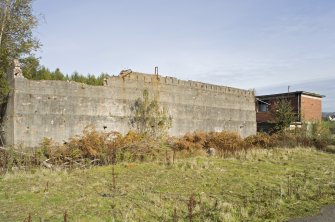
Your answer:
<point x="306" y="107"/>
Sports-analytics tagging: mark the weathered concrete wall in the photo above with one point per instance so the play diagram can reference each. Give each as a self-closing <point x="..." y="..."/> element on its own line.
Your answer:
<point x="193" y="105"/>
<point x="60" y="110"/>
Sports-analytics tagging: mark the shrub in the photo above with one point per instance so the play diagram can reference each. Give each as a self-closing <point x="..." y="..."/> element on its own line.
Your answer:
<point x="320" y="143"/>
<point x="90" y="144"/>
<point x="304" y="141"/>
<point x="317" y="137"/>
<point x="260" y="140"/>
<point x="225" y="141"/>
<point x="102" y="148"/>
<point x="15" y="158"/>
<point x="149" y="118"/>
<point x="137" y="147"/>
<point x="192" y="141"/>
<point x="282" y="139"/>
<point x="320" y="130"/>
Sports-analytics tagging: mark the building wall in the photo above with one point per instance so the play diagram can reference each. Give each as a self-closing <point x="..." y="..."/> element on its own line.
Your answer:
<point x="267" y="116"/>
<point x="305" y="108"/>
<point x="60" y="110"/>
<point x="311" y="108"/>
<point x="264" y="116"/>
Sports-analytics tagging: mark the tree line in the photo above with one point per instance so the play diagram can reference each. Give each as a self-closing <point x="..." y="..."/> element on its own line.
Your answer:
<point x="31" y="69"/>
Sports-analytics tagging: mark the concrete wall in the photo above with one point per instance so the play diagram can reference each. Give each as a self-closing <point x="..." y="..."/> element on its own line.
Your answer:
<point x="60" y="110"/>
<point x="7" y="126"/>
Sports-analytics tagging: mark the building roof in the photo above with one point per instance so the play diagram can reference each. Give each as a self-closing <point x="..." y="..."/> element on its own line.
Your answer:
<point x="292" y="94"/>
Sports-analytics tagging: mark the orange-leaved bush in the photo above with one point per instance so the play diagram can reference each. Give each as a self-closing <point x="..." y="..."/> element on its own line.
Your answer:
<point x="225" y="141"/>
<point x="260" y="140"/>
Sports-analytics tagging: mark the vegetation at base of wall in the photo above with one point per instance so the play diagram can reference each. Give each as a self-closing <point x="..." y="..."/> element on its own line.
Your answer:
<point x="317" y="135"/>
<point x="170" y="179"/>
<point x="92" y="148"/>
<point x="105" y="148"/>
<point x="260" y="185"/>
<point x="223" y="142"/>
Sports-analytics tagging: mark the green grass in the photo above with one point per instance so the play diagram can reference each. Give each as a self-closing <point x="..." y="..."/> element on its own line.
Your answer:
<point x="263" y="185"/>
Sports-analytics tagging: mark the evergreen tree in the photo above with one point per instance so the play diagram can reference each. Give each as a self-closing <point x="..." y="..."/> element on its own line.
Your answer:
<point x="43" y="73"/>
<point x="30" y="66"/>
<point x="283" y="114"/>
<point x="58" y="75"/>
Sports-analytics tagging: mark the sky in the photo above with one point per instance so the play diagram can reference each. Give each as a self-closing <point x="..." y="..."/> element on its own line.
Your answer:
<point x="264" y="45"/>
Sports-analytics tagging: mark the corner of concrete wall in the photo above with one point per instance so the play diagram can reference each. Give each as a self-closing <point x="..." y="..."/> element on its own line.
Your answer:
<point x="7" y="112"/>
<point x="7" y="131"/>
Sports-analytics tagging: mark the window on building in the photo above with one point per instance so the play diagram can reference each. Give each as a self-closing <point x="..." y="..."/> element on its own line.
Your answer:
<point x="263" y="106"/>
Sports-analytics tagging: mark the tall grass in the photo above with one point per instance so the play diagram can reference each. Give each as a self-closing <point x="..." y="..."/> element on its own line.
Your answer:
<point x="103" y="148"/>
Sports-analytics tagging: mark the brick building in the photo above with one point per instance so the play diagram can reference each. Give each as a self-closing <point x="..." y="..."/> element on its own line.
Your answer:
<point x="306" y="106"/>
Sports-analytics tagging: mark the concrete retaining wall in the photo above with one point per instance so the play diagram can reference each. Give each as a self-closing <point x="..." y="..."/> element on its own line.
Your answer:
<point x="61" y="110"/>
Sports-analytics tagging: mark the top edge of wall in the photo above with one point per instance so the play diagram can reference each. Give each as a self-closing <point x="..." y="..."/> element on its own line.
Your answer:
<point x="56" y="82"/>
<point x="152" y="78"/>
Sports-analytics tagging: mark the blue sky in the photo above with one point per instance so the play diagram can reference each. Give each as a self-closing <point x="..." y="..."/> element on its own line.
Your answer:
<point x="261" y="44"/>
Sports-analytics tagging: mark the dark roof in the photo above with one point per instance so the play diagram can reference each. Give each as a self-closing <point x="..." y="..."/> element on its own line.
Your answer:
<point x="291" y="94"/>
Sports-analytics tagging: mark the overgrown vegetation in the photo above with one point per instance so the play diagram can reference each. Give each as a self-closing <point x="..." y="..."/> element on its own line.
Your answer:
<point x="259" y="185"/>
<point x="310" y="135"/>
<point x="92" y="148"/>
<point x="104" y="148"/>
<point x="149" y="118"/>
<point x="260" y="178"/>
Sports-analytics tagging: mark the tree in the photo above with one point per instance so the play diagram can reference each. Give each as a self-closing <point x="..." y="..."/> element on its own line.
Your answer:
<point x="30" y="65"/>
<point x="58" y="75"/>
<point x="283" y="114"/>
<point x="16" y="36"/>
<point x="148" y="118"/>
<point x="43" y="73"/>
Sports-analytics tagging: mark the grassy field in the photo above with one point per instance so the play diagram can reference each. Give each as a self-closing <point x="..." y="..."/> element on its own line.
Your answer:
<point x="262" y="185"/>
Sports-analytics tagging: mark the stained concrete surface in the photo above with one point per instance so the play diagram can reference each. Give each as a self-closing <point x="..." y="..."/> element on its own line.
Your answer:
<point x="60" y="109"/>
